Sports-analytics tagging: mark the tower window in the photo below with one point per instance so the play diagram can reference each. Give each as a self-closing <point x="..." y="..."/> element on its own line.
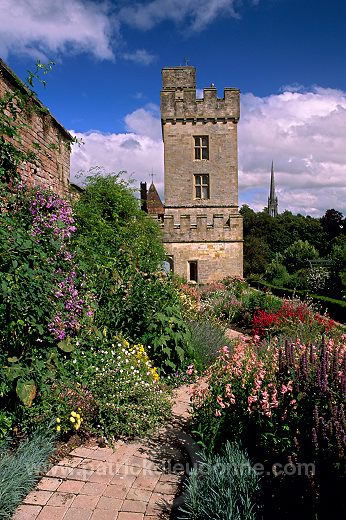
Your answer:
<point x="202" y="187"/>
<point x="193" y="271"/>
<point x="201" y="147"/>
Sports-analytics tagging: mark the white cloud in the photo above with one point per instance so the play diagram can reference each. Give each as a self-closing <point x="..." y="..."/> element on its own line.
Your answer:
<point x="197" y="14"/>
<point x="302" y="132"/>
<point x="140" y="56"/>
<point x="42" y="27"/>
<point x="50" y="28"/>
<point x="137" y="152"/>
<point x="145" y="121"/>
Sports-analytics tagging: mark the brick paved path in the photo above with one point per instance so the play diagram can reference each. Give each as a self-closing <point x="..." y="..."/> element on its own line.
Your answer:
<point x="136" y="481"/>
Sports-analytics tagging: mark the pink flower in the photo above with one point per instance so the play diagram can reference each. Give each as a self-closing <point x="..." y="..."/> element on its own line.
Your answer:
<point x="220" y="401"/>
<point x="225" y="351"/>
<point x="217" y="413"/>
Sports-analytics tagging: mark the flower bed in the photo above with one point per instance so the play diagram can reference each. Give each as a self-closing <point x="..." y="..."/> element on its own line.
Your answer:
<point x="285" y="403"/>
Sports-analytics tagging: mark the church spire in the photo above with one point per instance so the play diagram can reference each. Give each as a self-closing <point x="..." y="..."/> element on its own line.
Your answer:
<point x="272" y="199"/>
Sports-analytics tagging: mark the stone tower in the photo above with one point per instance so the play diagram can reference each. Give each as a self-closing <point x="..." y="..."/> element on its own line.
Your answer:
<point x="202" y="226"/>
<point x="272" y="199"/>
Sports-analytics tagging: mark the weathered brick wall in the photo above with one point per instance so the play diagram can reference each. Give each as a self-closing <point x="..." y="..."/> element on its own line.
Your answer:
<point x="210" y="230"/>
<point x="52" y="163"/>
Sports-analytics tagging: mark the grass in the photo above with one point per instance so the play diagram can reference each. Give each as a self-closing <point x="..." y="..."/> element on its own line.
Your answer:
<point x="223" y="487"/>
<point x="20" y="469"/>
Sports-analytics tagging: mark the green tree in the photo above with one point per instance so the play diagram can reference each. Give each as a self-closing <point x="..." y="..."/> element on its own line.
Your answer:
<point x="333" y="223"/>
<point x="121" y="250"/>
<point x="296" y="256"/>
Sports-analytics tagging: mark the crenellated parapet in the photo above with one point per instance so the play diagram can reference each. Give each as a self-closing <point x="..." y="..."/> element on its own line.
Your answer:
<point x="200" y="228"/>
<point x="180" y="104"/>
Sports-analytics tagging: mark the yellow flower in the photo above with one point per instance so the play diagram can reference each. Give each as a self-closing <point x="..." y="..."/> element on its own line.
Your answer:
<point x="57" y="420"/>
<point x="77" y="416"/>
<point x="58" y="428"/>
<point x="73" y="414"/>
<point x="72" y="419"/>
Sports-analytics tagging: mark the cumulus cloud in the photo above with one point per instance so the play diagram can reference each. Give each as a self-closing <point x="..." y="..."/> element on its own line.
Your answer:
<point x="302" y="132"/>
<point x="41" y="27"/>
<point x="145" y="121"/>
<point x="145" y="15"/>
<point x="137" y="152"/>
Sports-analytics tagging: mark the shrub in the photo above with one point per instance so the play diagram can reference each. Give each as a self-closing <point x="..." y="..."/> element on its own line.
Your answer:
<point x="43" y="294"/>
<point x="223" y="486"/>
<point x="107" y="387"/>
<point x="296" y="256"/>
<point x="120" y="248"/>
<point x="294" y="319"/>
<point x="207" y="338"/>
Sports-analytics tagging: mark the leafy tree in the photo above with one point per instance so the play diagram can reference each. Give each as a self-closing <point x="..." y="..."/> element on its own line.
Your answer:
<point x="333" y="223"/>
<point x="256" y="255"/>
<point x="121" y="250"/>
<point x="296" y="256"/>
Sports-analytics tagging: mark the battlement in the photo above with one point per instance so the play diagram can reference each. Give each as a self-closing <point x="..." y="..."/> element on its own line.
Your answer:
<point x="199" y="228"/>
<point x="179" y="101"/>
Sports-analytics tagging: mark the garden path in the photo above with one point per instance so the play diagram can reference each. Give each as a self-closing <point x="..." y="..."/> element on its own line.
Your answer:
<point x="137" y="480"/>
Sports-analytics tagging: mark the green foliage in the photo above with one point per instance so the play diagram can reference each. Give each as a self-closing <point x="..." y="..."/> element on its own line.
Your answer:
<point x="239" y="310"/>
<point x="20" y="469"/>
<point x="296" y="256"/>
<point x="121" y="250"/>
<point x="336" y="308"/>
<point x="123" y="386"/>
<point x="5" y="424"/>
<point x="333" y="223"/>
<point x="61" y="298"/>
<point x="223" y="487"/>
<point x="42" y="295"/>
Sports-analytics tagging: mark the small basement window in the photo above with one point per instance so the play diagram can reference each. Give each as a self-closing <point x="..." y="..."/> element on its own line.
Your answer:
<point x="193" y="271"/>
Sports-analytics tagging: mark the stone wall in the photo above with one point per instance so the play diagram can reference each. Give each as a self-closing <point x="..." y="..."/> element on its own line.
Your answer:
<point x="201" y="229"/>
<point x="215" y="260"/>
<point x="52" y="165"/>
<point x="180" y="166"/>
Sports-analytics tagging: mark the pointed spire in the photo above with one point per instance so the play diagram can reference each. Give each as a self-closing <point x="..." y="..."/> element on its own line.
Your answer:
<point x="154" y="203"/>
<point x="272" y="199"/>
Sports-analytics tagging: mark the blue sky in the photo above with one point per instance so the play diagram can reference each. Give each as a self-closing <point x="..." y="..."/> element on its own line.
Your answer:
<point x="286" y="56"/>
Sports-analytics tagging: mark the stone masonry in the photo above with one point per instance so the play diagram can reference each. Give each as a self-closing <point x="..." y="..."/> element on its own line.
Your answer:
<point x="52" y="168"/>
<point x="202" y="225"/>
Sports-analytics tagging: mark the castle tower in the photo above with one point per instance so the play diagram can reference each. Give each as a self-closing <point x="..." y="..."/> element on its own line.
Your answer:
<point x="272" y="199"/>
<point x="202" y="226"/>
